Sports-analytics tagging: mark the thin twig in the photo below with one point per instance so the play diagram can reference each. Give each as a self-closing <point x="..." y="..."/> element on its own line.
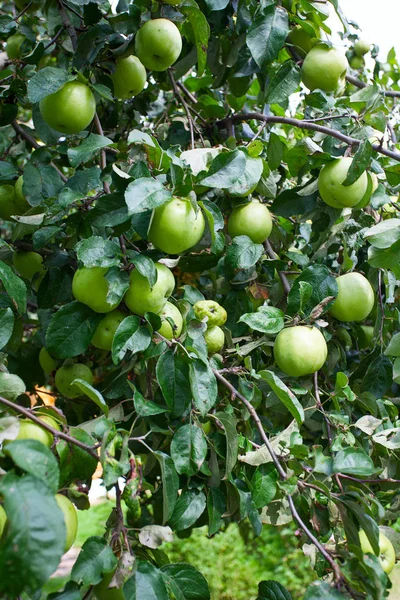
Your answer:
<point x="55" y="38"/>
<point x="68" y="25"/>
<point x="361" y="85"/>
<point x="185" y="106"/>
<point x="321" y="408"/>
<point x="272" y="254"/>
<point x="103" y="157"/>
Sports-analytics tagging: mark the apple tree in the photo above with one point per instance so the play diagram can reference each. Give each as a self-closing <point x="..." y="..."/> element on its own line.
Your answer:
<point x="200" y="250"/>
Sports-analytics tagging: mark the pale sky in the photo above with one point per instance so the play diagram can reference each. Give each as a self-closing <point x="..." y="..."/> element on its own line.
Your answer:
<point x="379" y="21"/>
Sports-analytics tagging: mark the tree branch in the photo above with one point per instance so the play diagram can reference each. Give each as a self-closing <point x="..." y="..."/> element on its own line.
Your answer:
<point x="56" y="433"/>
<point x="185" y="106"/>
<point x="68" y="25"/>
<point x="285" y="282"/>
<point x="304" y="124"/>
<point x="361" y="85"/>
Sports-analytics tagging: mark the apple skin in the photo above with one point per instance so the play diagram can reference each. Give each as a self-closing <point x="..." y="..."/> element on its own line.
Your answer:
<point x="158" y="44"/>
<point x="330" y="185"/>
<point x="70" y="518"/>
<point x="357" y="62"/>
<point x="13" y="47"/>
<point x="90" y="287"/>
<point x="176" y="227"/>
<point x="3" y="520"/>
<point x="8" y="205"/>
<point x="47" y="362"/>
<point x="372" y="186"/>
<point x="215" y="339"/>
<point x="215" y="313"/>
<point x="324" y="68"/>
<point x="20" y="200"/>
<point x="300" y="350"/>
<point x="129" y="77"/>
<point x="365" y="336"/>
<point x="69" y="110"/>
<point x="28" y="430"/>
<point x="387" y="556"/>
<point x="299" y="40"/>
<point x="140" y="298"/>
<point x="66" y="374"/>
<point x="252" y="219"/>
<point x="106" y="329"/>
<point x="362" y="47"/>
<point x="29" y="265"/>
<point x="355" y="299"/>
<point x="171" y="311"/>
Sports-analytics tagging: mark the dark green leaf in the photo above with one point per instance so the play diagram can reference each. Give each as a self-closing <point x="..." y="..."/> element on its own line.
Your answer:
<point x="232" y="440"/>
<point x="189" y="507"/>
<point x="353" y="461"/>
<point x="186" y="582"/>
<point x="267" y="319"/>
<point x="203" y="385"/>
<point x="71" y="330"/>
<point x="173" y="378"/>
<point x="88" y="148"/>
<point x="267" y="34"/>
<point x="170" y="481"/>
<point x="14" y="287"/>
<point x="201" y="32"/>
<point x="188" y="449"/>
<point x="272" y="590"/>
<point x="91" y="392"/>
<point x="130" y="337"/>
<point x="285" y="395"/>
<point x="95" y="559"/>
<point x="6" y="325"/>
<point x="323" y="286"/>
<point x="98" y="252"/>
<point x="321" y="590"/>
<point x="361" y="162"/>
<point x="47" y="81"/>
<point x="284" y="83"/>
<point x="76" y="463"/>
<point x="11" y="386"/>
<point x="38" y="460"/>
<point x="225" y="170"/>
<point x="243" y="253"/>
<point x="145" y="407"/>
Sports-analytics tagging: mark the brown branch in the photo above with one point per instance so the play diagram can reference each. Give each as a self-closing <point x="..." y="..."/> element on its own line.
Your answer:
<point x="272" y="254"/>
<point x="185" y="106"/>
<point x="103" y="158"/>
<point x="68" y="25"/>
<point x="304" y="124"/>
<point x="55" y="38"/>
<point x="56" y="433"/>
<point x="361" y="85"/>
<point x="321" y="408"/>
<point x="388" y="480"/>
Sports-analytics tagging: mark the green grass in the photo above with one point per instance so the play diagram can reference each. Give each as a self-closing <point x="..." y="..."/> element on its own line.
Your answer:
<point x="232" y="567"/>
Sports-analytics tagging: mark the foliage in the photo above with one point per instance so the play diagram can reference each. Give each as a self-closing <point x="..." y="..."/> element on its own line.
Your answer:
<point x="200" y="439"/>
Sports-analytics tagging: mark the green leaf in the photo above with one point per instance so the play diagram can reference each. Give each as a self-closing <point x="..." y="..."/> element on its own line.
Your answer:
<point x="323" y="286"/>
<point x="388" y="258"/>
<point x="36" y="459"/>
<point x="109" y="211"/>
<point x="284" y="394"/>
<point x="267" y="319"/>
<point x="267" y="34"/>
<point x="201" y="32"/>
<point x="203" y="385"/>
<point x="71" y="330"/>
<point x="146" y="267"/>
<point x="6" y="325"/>
<point x="225" y="170"/>
<point x="243" y="253"/>
<point x="11" y="386"/>
<point x="275" y="151"/>
<point x="215" y="223"/>
<point x="186" y="582"/>
<point x="76" y="463"/>
<point x="34" y="541"/>
<point x="88" y="148"/>
<point x="129" y="337"/>
<point x="263" y="487"/>
<point x="189" y="507"/>
<point x="148" y="583"/>
<point x="8" y="172"/>
<point x="249" y="179"/>
<point x="216" y="507"/>
<point x="188" y="449"/>
<point x="145" y="407"/>
<point x="321" y="590"/>
<point x="170" y="484"/>
<point x="272" y="590"/>
<point x="353" y="461"/>
<point x="118" y="283"/>
<point x="92" y="393"/>
<point x="232" y="440"/>
<point x="47" y="81"/>
<point x="95" y="559"/>
<point x="384" y="234"/>
<point x="173" y="378"/>
<point x="98" y="252"/>
<point x="145" y="194"/>
<point x="361" y="162"/>
<point x="14" y="287"/>
<point x="284" y="83"/>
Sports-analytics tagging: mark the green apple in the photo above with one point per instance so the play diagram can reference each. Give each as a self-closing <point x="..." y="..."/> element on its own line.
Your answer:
<point x="129" y="77"/>
<point x="70" y="518"/>
<point x="252" y="219"/>
<point x="344" y="336"/>
<point x="387" y="555"/>
<point x="214" y="312"/>
<point x="13" y="47"/>
<point x="90" y="287"/>
<point x="372" y="185"/>
<point x="8" y="204"/>
<point x="28" y="430"/>
<point x="324" y="68"/>
<point x="355" y="299"/>
<point x="300" y="350"/>
<point x="47" y="362"/>
<point x="3" y="520"/>
<point x="70" y="109"/>
<point x="362" y="47"/>
<point x="20" y="200"/>
<point x="176" y="226"/>
<point x="102" y="591"/>
<point x="172" y="312"/>
<point x="365" y="336"/>
<point x="158" y="44"/>
<point x="357" y="62"/>
<point x="29" y="265"/>
<point x="331" y="188"/>
<point x="300" y="41"/>
<point x="215" y="339"/>
<point x="66" y="374"/>
<point x="141" y="298"/>
<point x="106" y="329"/>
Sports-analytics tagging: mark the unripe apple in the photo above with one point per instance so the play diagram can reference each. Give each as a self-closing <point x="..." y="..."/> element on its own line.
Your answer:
<point x="28" y="430"/>
<point x="20" y="200"/>
<point x="365" y="336"/>
<point x="344" y="336"/>
<point x="387" y="555"/>
<point x="141" y="298"/>
<point x="3" y="520"/>
<point x="331" y="188"/>
<point x="299" y="40"/>
<point x="172" y="312"/>
<point x="215" y="313"/>
<point x="129" y="77"/>
<point x="252" y="219"/>
<point x="215" y="339"/>
<point x="29" y="265"/>
<point x="8" y="204"/>
<point x="355" y="299"/>
<point x="66" y="374"/>
<point x="357" y="62"/>
<point x="300" y="350"/>
<point x="13" y="47"/>
<point x="158" y="44"/>
<point x="70" y="518"/>
<point x="47" y="362"/>
<point x="106" y="329"/>
<point x="90" y="287"/>
<point x="362" y="47"/>
<point x="70" y="109"/>
<point x="324" y="68"/>
<point x="176" y="226"/>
